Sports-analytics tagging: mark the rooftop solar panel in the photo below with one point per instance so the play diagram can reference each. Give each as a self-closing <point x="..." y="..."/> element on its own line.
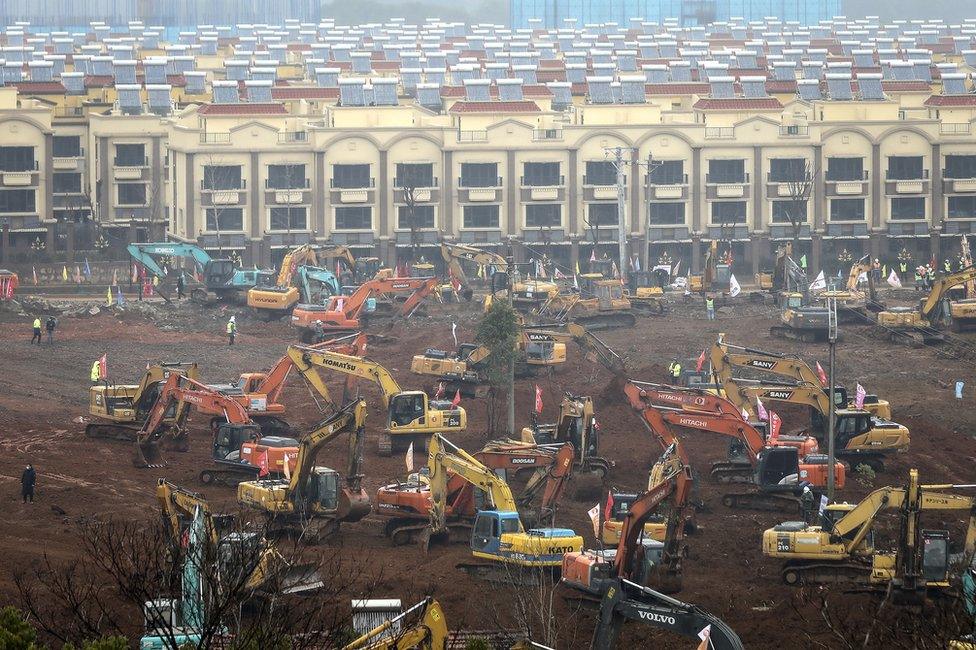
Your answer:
<point x="130" y="100"/>
<point x="510" y="90"/>
<point x="599" y="91"/>
<point x="385" y="92"/>
<point x="809" y="89"/>
<point x="225" y="92"/>
<point x="839" y="86"/>
<point x="429" y="95"/>
<point x="753" y="87"/>
<point x="869" y="86"/>
<point x="351" y="92"/>
<point x="160" y="100"/>
<point x="954" y="83"/>
<point x="477" y="90"/>
<point x="632" y="89"/>
<point x="721" y="87"/>
<point x="562" y="94"/>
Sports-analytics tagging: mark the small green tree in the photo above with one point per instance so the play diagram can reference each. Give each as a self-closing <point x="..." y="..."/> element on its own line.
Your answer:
<point x="107" y="643"/>
<point x="15" y="632"/>
<point x="498" y="331"/>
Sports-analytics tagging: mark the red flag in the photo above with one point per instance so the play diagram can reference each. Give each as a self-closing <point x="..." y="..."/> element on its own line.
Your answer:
<point x="608" y="509"/>
<point x="821" y="374"/>
<point x="457" y="398"/>
<point x="103" y="367"/>
<point x="701" y="361"/>
<point x="262" y="462"/>
<point x="9" y="293"/>
<point x="455" y="282"/>
<point x="439" y="393"/>
<point x="774" y="424"/>
<point x="538" y="399"/>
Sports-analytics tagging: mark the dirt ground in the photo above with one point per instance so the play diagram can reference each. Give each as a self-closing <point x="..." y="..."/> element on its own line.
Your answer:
<point x="43" y="392"/>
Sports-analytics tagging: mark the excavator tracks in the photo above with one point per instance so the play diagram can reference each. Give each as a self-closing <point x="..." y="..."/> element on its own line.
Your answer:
<point x="805" y="336"/>
<point x="107" y="431"/>
<point x="799" y="572"/>
<point x="732" y="472"/>
<point x="600" y="322"/>
<point x="759" y="500"/>
<point x="403" y="532"/>
<point x="500" y="573"/>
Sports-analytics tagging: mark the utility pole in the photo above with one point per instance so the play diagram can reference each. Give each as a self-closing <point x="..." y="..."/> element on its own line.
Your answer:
<point x="621" y="212"/>
<point x="511" y="363"/>
<point x="832" y="344"/>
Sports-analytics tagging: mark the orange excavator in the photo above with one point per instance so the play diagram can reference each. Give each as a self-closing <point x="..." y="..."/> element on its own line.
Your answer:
<point x="779" y="471"/>
<point x="408" y="503"/>
<point x="344" y="313"/>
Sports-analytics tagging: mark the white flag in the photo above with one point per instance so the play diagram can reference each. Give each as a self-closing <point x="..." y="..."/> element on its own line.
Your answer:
<point x="823" y="502"/>
<point x="285" y="467"/>
<point x="409" y="457"/>
<point x="454" y="332"/>
<point x="734" y="288"/>
<point x="706" y="633"/>
<point x="893" y="279"/>
<point x="862" y="278"/>
<point x="594" y="514"/>
<point x="819" y="283"/>
<point x="745" y="415"/>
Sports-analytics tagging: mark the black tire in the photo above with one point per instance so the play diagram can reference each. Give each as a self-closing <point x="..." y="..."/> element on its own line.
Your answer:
<point x="401" y="537"/>
<point x="792" y="578"/>
<point x="728" y="501"/>
<point x="207" y="477"/>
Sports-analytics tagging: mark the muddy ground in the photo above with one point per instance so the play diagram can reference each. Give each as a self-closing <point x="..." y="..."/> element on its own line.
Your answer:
<point x="43" y="392"/>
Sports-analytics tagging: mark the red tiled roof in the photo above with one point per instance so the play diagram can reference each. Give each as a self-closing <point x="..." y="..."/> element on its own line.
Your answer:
<point x="906" y="87"/>
<point x="243" y="109"/>
<point x="529" y="90"/>
<point x="951" y="100"/>
<point x="98" y="80"/>
<point x="39" y="87"/>
<point x="300" y="47"/>
<point x="552" y="63"/>
<point x="308" y="92"/>
<point x="495" y="107"/>
<point x="472" y="54"/>
<point x="555" y="74"/>
<point x="386" y="66"/>
<point x="578" y="89"/>
<point x="780" y="86"/>
<point x="676" y="88"/>
<point x="738" y="104"/>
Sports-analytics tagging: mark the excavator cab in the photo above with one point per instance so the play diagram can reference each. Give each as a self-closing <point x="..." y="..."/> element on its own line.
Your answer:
<point x="489" y="526"/>
<point x="323" y="490"/>
<point x="408" y="409"/>
<point x="778" y="467"/>
<point x="229" y="437"/>
<point x="602" y="267"/>
<point x="935" y="556"/>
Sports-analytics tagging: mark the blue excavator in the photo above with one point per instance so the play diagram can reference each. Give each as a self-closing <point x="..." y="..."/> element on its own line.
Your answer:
<point x="222" y="278"/>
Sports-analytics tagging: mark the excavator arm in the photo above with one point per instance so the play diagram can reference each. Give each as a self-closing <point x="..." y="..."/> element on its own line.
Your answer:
<point x="642" y="394"/>
<point x="427" y="287"/>
<point x="351" y="417"/>
<point x="453" y="254"/>
<point x="336" y="251"/>
<point x="941" y="286"/>
<point x="430" y="631"/>
<point x="176" y="502"/>
<point x="812" y="396"/>
<point x="273" y="381"/>
<point x="299" y="256"/>
<point x="307" y="360"/>
<point x="143" y="254"/>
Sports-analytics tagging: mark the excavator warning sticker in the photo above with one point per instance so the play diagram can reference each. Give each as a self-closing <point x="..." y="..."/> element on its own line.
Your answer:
<point x="454" y="420"/>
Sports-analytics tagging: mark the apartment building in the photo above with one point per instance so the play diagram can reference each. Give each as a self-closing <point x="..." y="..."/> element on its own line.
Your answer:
<point x="854" y="138"/>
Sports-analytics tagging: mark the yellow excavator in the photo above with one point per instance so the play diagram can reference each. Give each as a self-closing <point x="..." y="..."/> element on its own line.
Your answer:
<point x="840" y="548"/>
<point x="853" y="305"/>
<point x="246" y="558"/>
<point x="411" y="415"/>
<point x="498" y="535"/>
<point x="921" y="326"/>
<point x="311" y="503"/>
<point x="122" y="409"/>
<point x="526" y="295"/>
<point x="576" y="425"/>
<point x="283" y="295"/>
<point x="860" y="437"/>
<point x="598" y="305"/>
<point x="430" y="631"/>
<point x="724" y="357"/>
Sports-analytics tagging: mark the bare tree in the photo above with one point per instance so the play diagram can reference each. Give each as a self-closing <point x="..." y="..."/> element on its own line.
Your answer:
<point x="408" y="186"/>
<point x="799" y="188"/>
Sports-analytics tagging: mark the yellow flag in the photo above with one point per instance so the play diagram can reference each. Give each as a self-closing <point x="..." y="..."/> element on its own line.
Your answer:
<point x="109" y="296"/>
<point x="577" y="267"/>
<point x="64" y="273"/>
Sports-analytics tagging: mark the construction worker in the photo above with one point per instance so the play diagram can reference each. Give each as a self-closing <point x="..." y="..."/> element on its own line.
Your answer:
<point x="231" y="330"/>
<point x="803" y="263"/>
<point x="947" y="266"/>
<point x="318" y="331"/>
<point x="27" y="481"/>
<point x="96" y="372"/>
<point x="903" y="268"/>
<point x="37" y="331"/>
<point x="876" y="270"/>
<point x="180" y="285"/>
<point x="675" y="370"/>
<point x="710" y="307"/>
<point x="806" y="503"/>
<point x="49" y="325"/>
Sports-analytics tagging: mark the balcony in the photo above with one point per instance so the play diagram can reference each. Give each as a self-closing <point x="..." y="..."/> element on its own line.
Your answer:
<point x="298" y="194"/>
<point x="958" y="185"/>
<point x="420" y="194"/>
<point x="848" y="186"/>
<point x="856" y="229"/>
<point x="794" y="131"/>
<point x="292" y="137"/>
<point x="210" y="137"/>
<point x="472" y="136"/>
<point x="914" y="228"/>
<point x="211" y="196"/>
<point x="735" y="232"/>
<point x="779" y="187"/>
<point x="780" y="231"/>
<point x="127" y="169"/>
<point x="955" y="128"/>
<point x="20" y="179"/>
<point x="544" y="191"/>
<point x="353" y="195"/>
<point x="480" y="193"/>
<point x="493" y="236"/>
<point x="540" y="135"/>
<point x="664" y="232"/>
<point x="535" y="235"/>
<point x="68" y="163"/>
<point x="726" y="187"/>
<point x="68" y="112"/>
<point x="908" y="185"/>
<point x="600" y="189"/>
<point x="719" y="132"/>
<point x="668" y="191"/>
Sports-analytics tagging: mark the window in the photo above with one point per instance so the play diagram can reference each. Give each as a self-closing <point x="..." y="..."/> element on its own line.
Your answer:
<point x="540" y="174"/>
<point x="902" y="168"/>
<point x="600" y="172"/>
<point x="726" y="171"/>
<point x="962" y="207"/>
<point x="667" y="172"/>
<point x="356" y="217"/>
<point x="481" y="216"/>
<point x="66" y="183"/>
<point x="960" y="166"/>
<point x="222" y="177"/>
<point x="16" y="159"/>
<point x="479" y="175"/>
<point x="667" y="214"/>
<point x="289" y="218"/>
<point x="725" y="212"/>
<point x="908" y="207"/>
<point x="224" y="219"/>
<point x="423" y="216"/>
<point x="601" y="214"/>
<point x="286" y="177"/>
<point x="414" y="175"/>
<point x="847" y="209"/>
<point x="17" y="201"/>
<point x="351" y="177"/>
<point x="543" y="215"/>
<point x="845" y="169"/>
<point x="785" y="170"/>
<point x="67" y="146"/>
<point x="132" y="193"/>
<point x="783" y="211"/>
<point x="130" y="155"/>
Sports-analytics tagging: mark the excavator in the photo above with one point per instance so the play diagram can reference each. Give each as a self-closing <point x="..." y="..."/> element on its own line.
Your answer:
<point x="343" y="313"/>
<point x="411" y="415"/>
<point x="921" y="326"/>
<point x="298" y="267"/>
<point x="407" y="503"/>
<point x="576" y="425"/>
<point x="621" y="583"/>
<point x="715" y="276"/>
<point x="860" y="437"/>
<point x="123" y="408"/>
<point x="222" y="279"/>
<point x="245" y="557"/>
<point x="430" y="631"/>
<point x="498" y="536"/>
<point x="853" y="305"/>
<point x="598" y="305"/>
<point x="774" y="281"/>
<point x="724" y="357"/>
<point x="526" y="295"/>
<point x="840" y="548"/>
<point x="312" y="503"/>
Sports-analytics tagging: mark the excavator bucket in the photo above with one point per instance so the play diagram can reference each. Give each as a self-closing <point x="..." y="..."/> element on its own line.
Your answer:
<point x="353" y="505"/>
<point x="148" y="454"/>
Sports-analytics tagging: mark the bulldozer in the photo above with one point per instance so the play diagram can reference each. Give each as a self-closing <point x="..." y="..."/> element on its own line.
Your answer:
<point x="123" y="408"/>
